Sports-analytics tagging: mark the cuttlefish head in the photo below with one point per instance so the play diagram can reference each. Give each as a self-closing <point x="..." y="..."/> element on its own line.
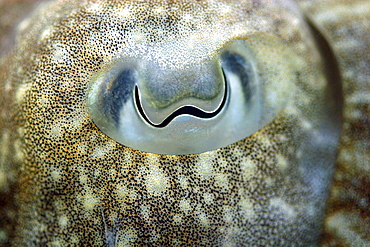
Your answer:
<point x="171" y="122"/>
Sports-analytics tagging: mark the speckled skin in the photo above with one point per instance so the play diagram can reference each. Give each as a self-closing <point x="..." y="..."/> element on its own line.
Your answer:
<point x="63" y="182"/>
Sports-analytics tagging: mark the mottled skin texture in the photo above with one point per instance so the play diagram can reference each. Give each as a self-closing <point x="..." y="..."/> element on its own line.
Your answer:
<point x="63" y="182"/>
<point x="346" y="26"/>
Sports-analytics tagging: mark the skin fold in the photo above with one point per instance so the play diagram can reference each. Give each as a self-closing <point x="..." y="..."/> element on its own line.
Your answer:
<point x="302" y="179"/>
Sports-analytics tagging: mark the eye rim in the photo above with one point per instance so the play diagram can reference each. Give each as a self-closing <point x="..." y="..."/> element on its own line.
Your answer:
<point x="183" y="110"/>
<point x="187" y="134"/>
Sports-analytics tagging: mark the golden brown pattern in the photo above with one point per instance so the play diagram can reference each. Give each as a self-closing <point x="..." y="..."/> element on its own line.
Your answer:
<point x="63" y="182"/>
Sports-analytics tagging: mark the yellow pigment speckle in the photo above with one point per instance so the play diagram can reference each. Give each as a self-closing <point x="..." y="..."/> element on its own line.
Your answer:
<point x="83" y="178"/>
<point x="204" y="169"/>
<point x="24" y="25"/>
<point x="307" y="125"/>
<point x="269" y="181"/>
<point x="265" y="140"/>
<point x="46" y="33"/>
<point x="21" y="92"/>
<point x="55" y="174"/>
<point x="177" y="219"/>
<point x="183" y="182"/>
<point x="247" y="208"/>
<point x="185" y="205"/>
<point x="124" y="13"/>
<point x="145" y="212"/>
<point x="63" y="221"/>
<point x="100" y="151"/>
<point x="18" y="151"/>
<point x="221" y="180"/>
<point x="60" y="53"/>
<point x="56" y="130"/>
<point x="156" y="180"/>
<point x="288" y="210"/>
<point x="208" y="198"/>
<point x="228" y="215"/>
<point x="248" y="167"/>
<point x="202" y="217"/>
<point x="90" y="201"/>
<point x="122" y="191"/>
<point x="281" y="162"/>
<point x="94" y="8"/>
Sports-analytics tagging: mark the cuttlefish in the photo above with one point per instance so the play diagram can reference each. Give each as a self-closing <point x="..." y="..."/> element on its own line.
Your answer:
<point x="185" y="123"/>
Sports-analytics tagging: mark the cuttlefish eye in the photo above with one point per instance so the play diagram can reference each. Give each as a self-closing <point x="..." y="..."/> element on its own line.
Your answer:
<point x="180" y="110"/>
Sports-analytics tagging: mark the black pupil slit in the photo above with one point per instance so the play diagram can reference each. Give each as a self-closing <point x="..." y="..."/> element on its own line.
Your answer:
<point x="184" y="110"/>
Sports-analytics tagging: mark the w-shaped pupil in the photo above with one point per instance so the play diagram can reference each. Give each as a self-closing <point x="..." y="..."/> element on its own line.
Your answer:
<point x="184" y="110"/>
